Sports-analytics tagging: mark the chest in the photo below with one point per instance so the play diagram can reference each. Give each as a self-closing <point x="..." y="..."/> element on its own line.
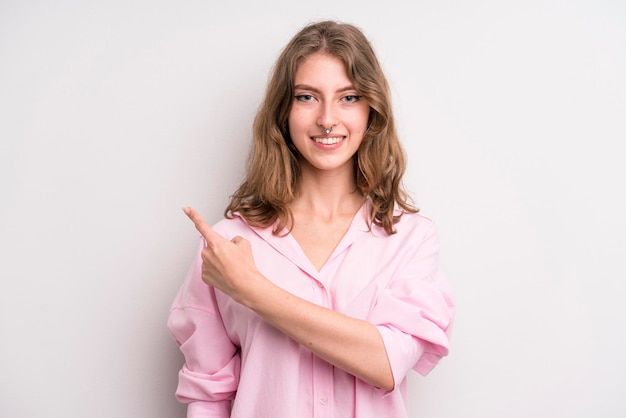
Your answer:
<point x="318" y="238"/>
<point x="349" y="282"/>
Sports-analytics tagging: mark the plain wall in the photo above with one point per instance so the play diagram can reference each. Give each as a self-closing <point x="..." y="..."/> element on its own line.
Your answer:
<point x="114" y="114"/>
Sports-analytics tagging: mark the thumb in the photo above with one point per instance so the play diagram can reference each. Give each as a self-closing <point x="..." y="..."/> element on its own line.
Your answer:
<point x="237" y="239"/>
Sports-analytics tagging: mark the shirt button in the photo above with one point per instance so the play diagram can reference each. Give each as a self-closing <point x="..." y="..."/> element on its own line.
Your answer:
<point x="323" y="401"/>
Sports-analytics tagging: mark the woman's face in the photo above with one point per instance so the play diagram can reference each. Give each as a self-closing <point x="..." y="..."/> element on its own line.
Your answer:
<point x="324" y="98"/>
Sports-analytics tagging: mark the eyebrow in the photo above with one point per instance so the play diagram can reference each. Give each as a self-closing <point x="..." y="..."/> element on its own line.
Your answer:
<point x="313" y="89"/>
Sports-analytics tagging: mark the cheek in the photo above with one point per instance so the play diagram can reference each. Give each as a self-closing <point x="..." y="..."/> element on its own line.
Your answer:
<point x="290" y="126"/>
<point x="293" y="121"/>
<point x="364" y="125"/>
<point x="363" y="118"/>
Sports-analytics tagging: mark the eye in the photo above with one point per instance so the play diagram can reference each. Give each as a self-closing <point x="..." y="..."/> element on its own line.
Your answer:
<point x="353" y="98"/>
<point x="304" y="97"/>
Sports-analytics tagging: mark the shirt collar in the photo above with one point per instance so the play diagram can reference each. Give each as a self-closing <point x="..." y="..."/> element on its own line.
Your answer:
<point x="287" y="245"/>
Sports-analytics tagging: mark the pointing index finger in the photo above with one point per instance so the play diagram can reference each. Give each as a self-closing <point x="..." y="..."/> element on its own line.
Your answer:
<point x="201" y="225"/>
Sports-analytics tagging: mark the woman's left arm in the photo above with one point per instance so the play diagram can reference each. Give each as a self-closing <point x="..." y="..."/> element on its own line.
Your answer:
<point x="353" y="345"/>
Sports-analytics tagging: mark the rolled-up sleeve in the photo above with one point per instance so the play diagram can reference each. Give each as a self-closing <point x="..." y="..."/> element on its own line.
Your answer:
<point x="415" y="312"/>
<point x="209" y="378"/>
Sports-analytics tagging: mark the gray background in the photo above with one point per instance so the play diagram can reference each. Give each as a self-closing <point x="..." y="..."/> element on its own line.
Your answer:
<point x="114" y="114"/>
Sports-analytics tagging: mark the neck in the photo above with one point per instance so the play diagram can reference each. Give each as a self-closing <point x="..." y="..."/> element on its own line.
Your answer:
<point x="328" y="193"/>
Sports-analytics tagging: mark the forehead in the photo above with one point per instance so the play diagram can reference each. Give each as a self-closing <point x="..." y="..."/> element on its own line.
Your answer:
<point x="321" y="67"/>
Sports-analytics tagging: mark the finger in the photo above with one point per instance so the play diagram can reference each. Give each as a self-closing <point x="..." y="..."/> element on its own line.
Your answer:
<point x="236" y="239"/>
<point x="200" y="224"/>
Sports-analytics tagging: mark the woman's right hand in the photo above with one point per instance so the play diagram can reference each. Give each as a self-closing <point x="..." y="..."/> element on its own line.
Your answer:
<point x="226" y="265"/>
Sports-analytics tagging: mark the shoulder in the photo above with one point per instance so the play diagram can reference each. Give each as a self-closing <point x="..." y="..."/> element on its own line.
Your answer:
<point x="412" y="232"/>
<point x="417" y="218"/>
<point x="415" y="237"/>
<point x="236" y="226"/>
<point x="414" y="223"/>
<point x="230" y="227"/>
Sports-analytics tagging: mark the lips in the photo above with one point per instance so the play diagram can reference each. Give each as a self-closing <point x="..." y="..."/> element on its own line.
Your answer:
<point x="328" y="140"/>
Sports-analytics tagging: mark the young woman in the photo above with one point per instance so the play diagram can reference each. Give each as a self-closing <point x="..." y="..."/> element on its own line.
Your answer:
<point x="321" y="288"/>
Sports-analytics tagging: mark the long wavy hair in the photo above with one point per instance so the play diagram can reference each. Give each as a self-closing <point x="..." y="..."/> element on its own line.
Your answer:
<point x="273" y="169"/>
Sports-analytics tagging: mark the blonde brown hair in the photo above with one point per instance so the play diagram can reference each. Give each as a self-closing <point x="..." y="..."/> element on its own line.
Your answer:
<point x="273" y="169"/>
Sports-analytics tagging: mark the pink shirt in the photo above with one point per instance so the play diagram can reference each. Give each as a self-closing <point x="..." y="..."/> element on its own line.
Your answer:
<point x="232" y="356"/>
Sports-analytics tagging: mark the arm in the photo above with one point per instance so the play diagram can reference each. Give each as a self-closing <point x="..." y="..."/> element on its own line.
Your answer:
<point x="350" y="344"/>
<point x="353" y="345"/>
<point x="209" y="378"/>
<point x="415" y="312"/>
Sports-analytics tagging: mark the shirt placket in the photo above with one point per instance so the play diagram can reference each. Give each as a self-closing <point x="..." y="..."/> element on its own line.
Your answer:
<point x="322" y="370"/>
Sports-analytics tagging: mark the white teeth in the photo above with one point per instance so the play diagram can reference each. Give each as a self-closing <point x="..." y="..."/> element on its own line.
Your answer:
<point x="328" y="141"/>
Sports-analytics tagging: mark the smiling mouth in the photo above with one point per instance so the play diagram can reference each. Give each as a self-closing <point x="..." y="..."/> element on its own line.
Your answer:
<point x="328" y="141"/>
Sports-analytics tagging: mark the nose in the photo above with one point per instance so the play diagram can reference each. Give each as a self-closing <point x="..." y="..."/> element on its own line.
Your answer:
<point x="327" y="115"/>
